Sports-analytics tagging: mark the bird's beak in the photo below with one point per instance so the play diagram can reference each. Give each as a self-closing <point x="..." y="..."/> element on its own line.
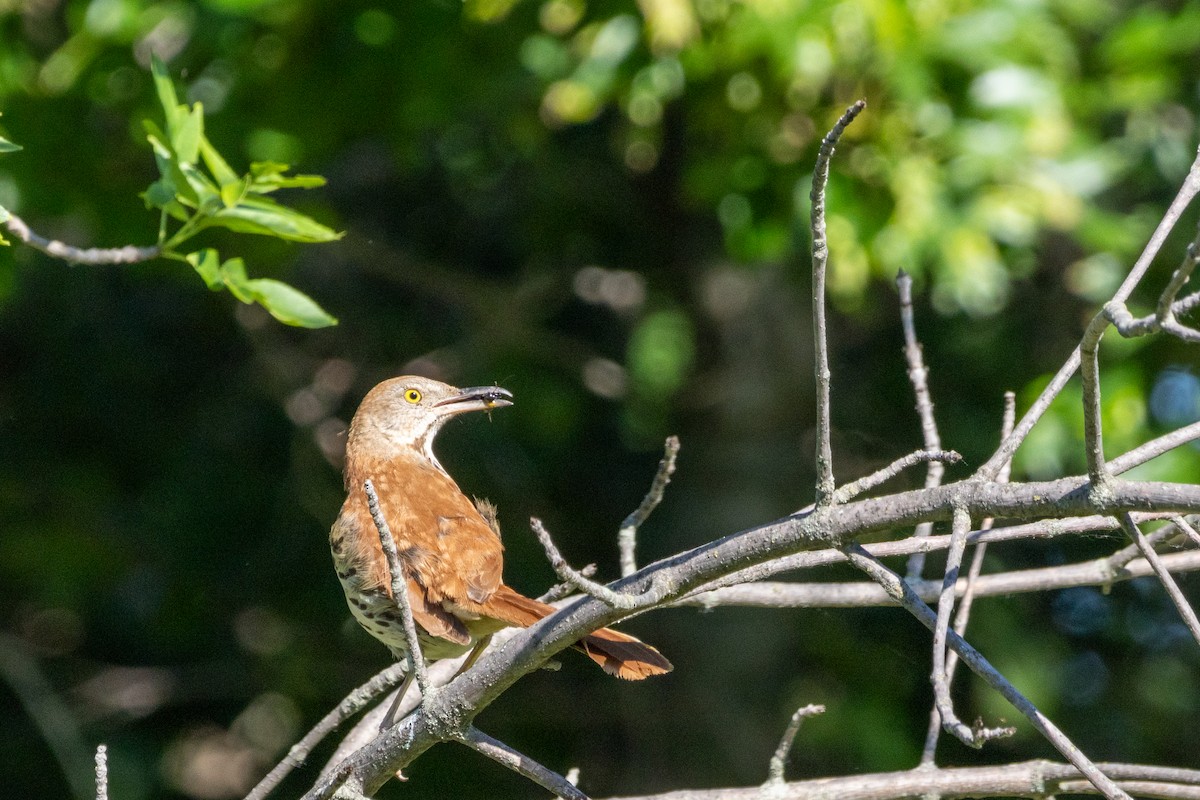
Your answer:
<point x="476" y="398"/>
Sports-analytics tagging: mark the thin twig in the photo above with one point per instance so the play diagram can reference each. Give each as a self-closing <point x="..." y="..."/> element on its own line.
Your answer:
<point x="1189" y="189"/>
<point x="1154" y="448"/>
<point x="92" y="256"/>
<point x="1130" y="326"/>
<point x="1093" y="434"/>
<point x="979" y="735"/>
<point x="961" y="618"/>
<point x="1164" y="576"/>
<point x="1188" y="530"/>
<point x="899" y="590"/>
<point x="350" y="705"/>
<point x="1121" y="558"/>
<point x="776" y="765"/>
<point x="627" y="536"/>
<point x="820" y="260"/>
<point x="918" y="376"/>
<point x="657" y="592"/>
<point x="1166" y="314"/>
<point x="851" y="490"/>
<point x="563" y="589"/>
<point x="101" y="772"/>
<point x="522" y="764"/>
<point x="416" y="659"/>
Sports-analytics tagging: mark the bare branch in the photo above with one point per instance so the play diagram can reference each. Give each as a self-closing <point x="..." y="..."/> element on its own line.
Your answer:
<point x="101" y="772"/>
<point x="655" y="595"/>
<point x="1164" y="318"/>
<point x="1189" y="189"/>
<point x="854" y="488"/>
<point x="350" y="705"/>
<point x="779" y="759"/>
<point x="918" y="376"/>
<point x="820" y="259"/>
<point x="929" y="752"/>
<point x="92" y="256"/>
<point x="627" y="536"/>
<point x="1035" y="780"/>
<point x="560" y="590"/>
<point x="845" y="594"/>
<point x="1093" y="436"/>
<point x="1188" y="530"/>
<point x="416" y="659"/>
<point x="972" y="737"/>
<point x="499" y="668"/>
<point x="1154" y="448"/>
<point x="1164" y="576"/>
<point x="522" y="764"/>
<point x="982" y="667"/>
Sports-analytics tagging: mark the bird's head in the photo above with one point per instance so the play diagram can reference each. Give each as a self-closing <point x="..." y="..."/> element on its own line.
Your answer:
<point x="403" y="415"/>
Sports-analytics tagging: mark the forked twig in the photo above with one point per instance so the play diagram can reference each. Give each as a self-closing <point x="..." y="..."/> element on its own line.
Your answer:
<point x="1189" y="189"/>
<point x="627" y="536"/>
<point x="1164" y="576"/>
<point x="653" y="596"/>
<point x="928" y="753"/>
<point x="350" y="705"/>
<point x="903" y="594"/>
<point x="977" y="736"/>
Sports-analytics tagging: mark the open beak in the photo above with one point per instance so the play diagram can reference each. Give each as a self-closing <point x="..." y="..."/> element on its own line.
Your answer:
<point x="476" y="398"/>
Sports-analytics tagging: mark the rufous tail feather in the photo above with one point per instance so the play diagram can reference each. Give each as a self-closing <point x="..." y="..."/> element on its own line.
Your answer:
<point x="617" y="653"/>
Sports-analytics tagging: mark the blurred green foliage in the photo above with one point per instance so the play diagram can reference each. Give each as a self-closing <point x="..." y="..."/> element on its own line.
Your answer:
<point x="602" y="206"/>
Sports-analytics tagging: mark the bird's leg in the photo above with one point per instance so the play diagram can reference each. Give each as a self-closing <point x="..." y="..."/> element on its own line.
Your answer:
<point x="389" y="719"/>
<point x="476" y="651"/>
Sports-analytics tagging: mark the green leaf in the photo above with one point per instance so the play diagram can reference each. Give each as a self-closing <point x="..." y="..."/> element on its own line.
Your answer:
<point x="267" y="218"/>
<point x="185" y="137"/>
<point x="4" y="215"/>
<point x="8" y="147"/>
<point x="164" y="156"/>
<point x="205" y="191"/>
<point x="216" y="164"/>
<point x="289" y="305"/>
<point x="158" y="140"/>
<point x="160" y="194"/>
<point x="232" y="193"/>
<point x="208" y="263"/>
<point x="264" y="169"/>
<point x="269" y="176"/>
<point x="271" y="183"/>
<point x="233" y="275"/>
<point x="166" y="92"/>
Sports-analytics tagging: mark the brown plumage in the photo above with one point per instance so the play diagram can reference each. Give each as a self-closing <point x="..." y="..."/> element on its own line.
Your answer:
<point x="449" y="545"/>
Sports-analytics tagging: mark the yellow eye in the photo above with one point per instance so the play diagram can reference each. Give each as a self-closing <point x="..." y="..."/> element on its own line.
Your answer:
<point x="412" y="395"/>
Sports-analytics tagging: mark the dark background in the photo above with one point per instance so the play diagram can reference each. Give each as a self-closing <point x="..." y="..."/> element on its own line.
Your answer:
<point x="603" y="208"/>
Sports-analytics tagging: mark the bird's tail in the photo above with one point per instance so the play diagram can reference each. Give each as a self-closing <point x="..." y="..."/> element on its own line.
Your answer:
<point x="617" y="653"/>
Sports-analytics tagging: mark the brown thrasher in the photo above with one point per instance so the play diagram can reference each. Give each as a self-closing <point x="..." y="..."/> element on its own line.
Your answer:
<point x="451" y="554"/>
